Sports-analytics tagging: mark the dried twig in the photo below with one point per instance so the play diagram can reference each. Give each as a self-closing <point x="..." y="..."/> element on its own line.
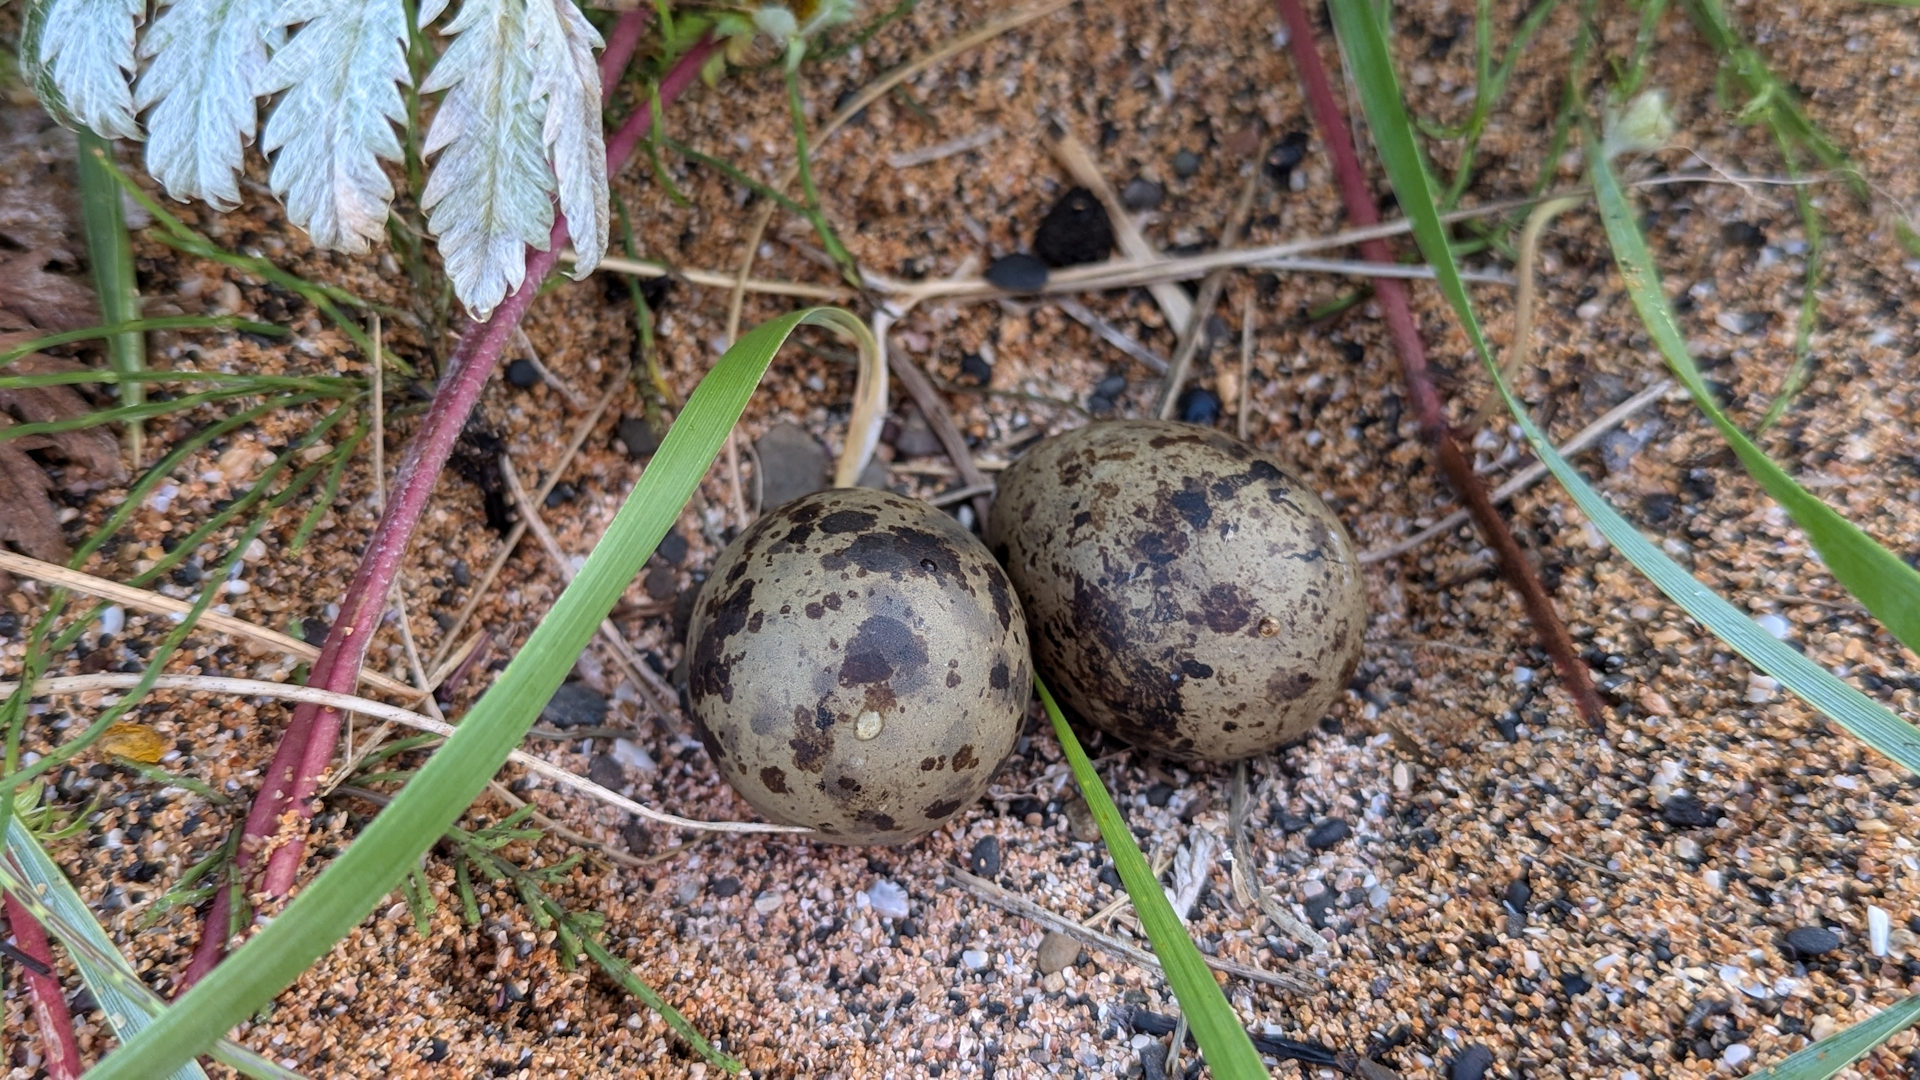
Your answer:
<point x="1032" y="912"/>
<point x="1073" y="156"/>
<point x="209" y="684"/>
<point x="1392" y="294"/>
<point x="1111" y="334"/>
<point x="1209" y="296"/>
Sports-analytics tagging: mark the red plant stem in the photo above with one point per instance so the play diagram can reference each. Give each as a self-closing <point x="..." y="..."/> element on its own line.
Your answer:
<point x="308" y="743"/>
<point x="1392" y="293"/>
<point x="620" y="45"/>
<point x="49" y="1001"/>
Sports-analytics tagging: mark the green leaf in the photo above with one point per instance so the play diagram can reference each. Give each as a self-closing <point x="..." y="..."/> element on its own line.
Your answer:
<point x="1222" y="1040"/>
<point x="1835" y="1052"/>
<point x="1888" y="587"/>
<point x="1363" y="42"/>
<point x="110" y="256"/>
<point x="342" y="895"/>
<point x="126" y="1002"/>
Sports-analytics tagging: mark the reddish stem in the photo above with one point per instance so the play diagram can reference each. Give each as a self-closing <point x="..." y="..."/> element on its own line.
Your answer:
<point x="1392" y="293"/>
<point x="620" y="45"/>
<point x="49" y="1001"/>
<point x="308" y="743"/>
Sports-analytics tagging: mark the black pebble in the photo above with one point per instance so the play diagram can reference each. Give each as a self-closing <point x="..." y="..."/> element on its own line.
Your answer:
<point x="985" y="859"/>
<point x="562" y="494"/>
<point x="673" y="548"/>
<point x="638" y="436"/>
<point x="574" y="705"/>
<point x="1471" y="1064"/>
<point x="602" y="769"/>
<point x="1111" y="387"/>
<point x="523" y="374"/>
<point x="436" y="1050"/>
<point x="1153" y="1062"/>
<point x="974" y="369"/>
<point x="9" y="625"/>
<point x="1199" y="405"/>
<point x="1286" y="156"/>
<point x="188" y="573"/>
<point x="1518" y="894"/>
<point x="1812" y="940"/>
<point x="725" y="887"/>
<point x="662" y="582"/>
<point x="1110" y="875"/>
<point x="1575" y="983"/>
<point x="1688" y="812"/>
<point x="1159" y="794"/>
<point x="1075" y="231"/>
<point x="1185" y="164"/>
<point x="1141" y="194"/>
<point x="1319" y="908"/>
<point x="462" y="574"/>
<point x="1328" y="832"/>
<point x="1509" y="726"/>
<point x="1100" y="406"/>
<point x="1018" y="272"/>
<point x="1658" y="507"/>
<point x="1743" y="233"/>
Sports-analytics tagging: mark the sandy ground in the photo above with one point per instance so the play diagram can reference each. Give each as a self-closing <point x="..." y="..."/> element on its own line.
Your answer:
<point x="1504" y="893"/>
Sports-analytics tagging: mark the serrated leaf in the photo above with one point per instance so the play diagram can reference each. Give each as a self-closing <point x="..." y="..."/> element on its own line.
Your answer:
<point x="342" y="72"/>
<point x="206" y="56"/>
<point x="490" y="195"/>
<point x="82" y="51"/>
<point x="565" y="75"/>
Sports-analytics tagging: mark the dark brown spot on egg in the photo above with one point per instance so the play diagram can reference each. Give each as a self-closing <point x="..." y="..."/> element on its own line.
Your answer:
<point x="940" y="811"/>
<point x="775" y="779"/>
<point x="953" y="679"/>
<point x="1224" y="608"/>
<point x="928" y="764"/>
<point x="963" y="758"/>
<point x="846" y="521"/>
<point x="881" y="648"/>
<point x="1288" y="685"/>
<point x="999" y="679"/>
<point x="878" y="820"/>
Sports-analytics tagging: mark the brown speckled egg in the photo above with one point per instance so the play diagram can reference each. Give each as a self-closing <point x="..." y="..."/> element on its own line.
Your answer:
<point x="858" y="664"/>
<point x="1184" y="591"/>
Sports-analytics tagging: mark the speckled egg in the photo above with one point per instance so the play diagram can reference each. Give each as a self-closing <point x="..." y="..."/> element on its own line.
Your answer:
<point x="1185" y="592"/>
<point x="858" y="664"/>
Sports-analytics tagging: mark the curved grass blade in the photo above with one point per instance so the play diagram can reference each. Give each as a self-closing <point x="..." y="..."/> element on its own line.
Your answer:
<point x="1364" y="45"/>
<point x="1837" y="1051"/>
<point x="127" y="1003"/>
<point x="169" y="322"/>
<point x="328" y="908"/>
<point x="1222" y="1040"/>
<point x="1888" y="587"/>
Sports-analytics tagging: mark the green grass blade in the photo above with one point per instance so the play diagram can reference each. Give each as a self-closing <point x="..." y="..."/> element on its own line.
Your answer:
<point x="1837" y="1051"/>
<point x="169" y="322"/>
<point x="126" y="1002"/>
<point x="1222" y="1040"/>
<point x="342" y="895"/>
<point x="1364" y="44"/>
<point x="110" y="253"/>
<point x="1888" y="587"/>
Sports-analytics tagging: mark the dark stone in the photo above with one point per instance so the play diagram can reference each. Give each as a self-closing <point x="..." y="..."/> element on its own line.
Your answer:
<point x="1328" y="832"/>
<point x="916" y="437"/>
<point x="1111" y="387"/>
<point x="1471" y="1063"/>
<point x="1518" y="895"/>
<point x="662" y="583"/>
<point x="1100" y="406"/>
<point x="1575" y="983"/>
<point x="725" y="887"/>
<point x="523" y="374"/>
<point x="975" y="371"/>
<point x="1075" y="230"/>
<point x="1658" y="507"/>
<point x="1319" y="908"/>
<point x="1141" y="194"/>
<point x="1688" y="812"/>
<point x="1153" y="1062"/>
<point x="1286" y="156"/>
<point x="602" y="769"/>
<point x="638" y="436"/>
<point x="985" y="860"/>
<point x="1159" y="794"/>
<point x="187" y="573"/>
<point x="562" y="494"/>
<point x="435" y="1051"/>
<point x="1199" y="405"/>
<point x="1742" y="234"/>
<point x="1018" y="272"/>
<point x="1110" y="875"/>
<point x="9" y="625"/>
<point x="792" y="464"/>
<point x="1812" y="940"/>
<point x="1509" y="726"/>
<point x="575" y="704"/>
<point x="1185" y="164"/>
<point x="462" y="574"/>
<point x="673" y="548"/>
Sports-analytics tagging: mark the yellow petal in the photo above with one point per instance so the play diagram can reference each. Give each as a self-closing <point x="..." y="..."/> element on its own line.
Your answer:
<point x="136" y="741"/>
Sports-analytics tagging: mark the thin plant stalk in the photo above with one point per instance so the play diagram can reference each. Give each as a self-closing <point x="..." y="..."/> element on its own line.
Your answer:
<point x="110" y="255"/>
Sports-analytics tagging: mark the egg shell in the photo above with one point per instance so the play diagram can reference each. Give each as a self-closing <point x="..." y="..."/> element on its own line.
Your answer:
<point x="1185" y="592"/>
<point x="858" y="664"/>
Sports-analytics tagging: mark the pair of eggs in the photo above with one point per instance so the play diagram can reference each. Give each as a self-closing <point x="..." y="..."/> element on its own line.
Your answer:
<point x="860" y="664"/>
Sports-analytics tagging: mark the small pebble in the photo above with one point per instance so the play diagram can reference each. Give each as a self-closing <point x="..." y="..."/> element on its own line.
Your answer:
<point x="1518" y="895"/>
<point x="975" y="370"/>
<point x="1111" y="387"/>
<point x="1018" y="273"/>
<point x="916" y="438"/>
<point x="638" y="437"/>
<point x="1471" y="1063"/>
<point x="605" y="770"/>
<point x="1199" y="405"/>
<point x="686" y="892"/>
<point x="1185" y="164"/>
<point x="1736" y="1055"/>
<point x="975" y="960"/>
<point x="1328" y="832"/>
<point x="462" y="575"/>
<point x="1773" y="624"/>
<point x="662" y="583"/>
<point x="1057" y="953"/>
<point x="673" y="548"/>
<point x="1286" y="156"/>
<point x="1141" y="194"/>
<point x="523" y="374"/>
<point x="792" y="464"/>
<point x="767" y="902"/>
<point x="887" y="899"/>
<point x="575" y="704"/>
<point x="985" y="860"/>
<point x="1687" y="811"/>
<point x="1879" y="930"/>
<point x="113" y="619"/>
<point x="1075" y="230"/>
<point x="725" y="887"/>
<point x="1812" y="940"/>
<point x="630" y="754"/>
